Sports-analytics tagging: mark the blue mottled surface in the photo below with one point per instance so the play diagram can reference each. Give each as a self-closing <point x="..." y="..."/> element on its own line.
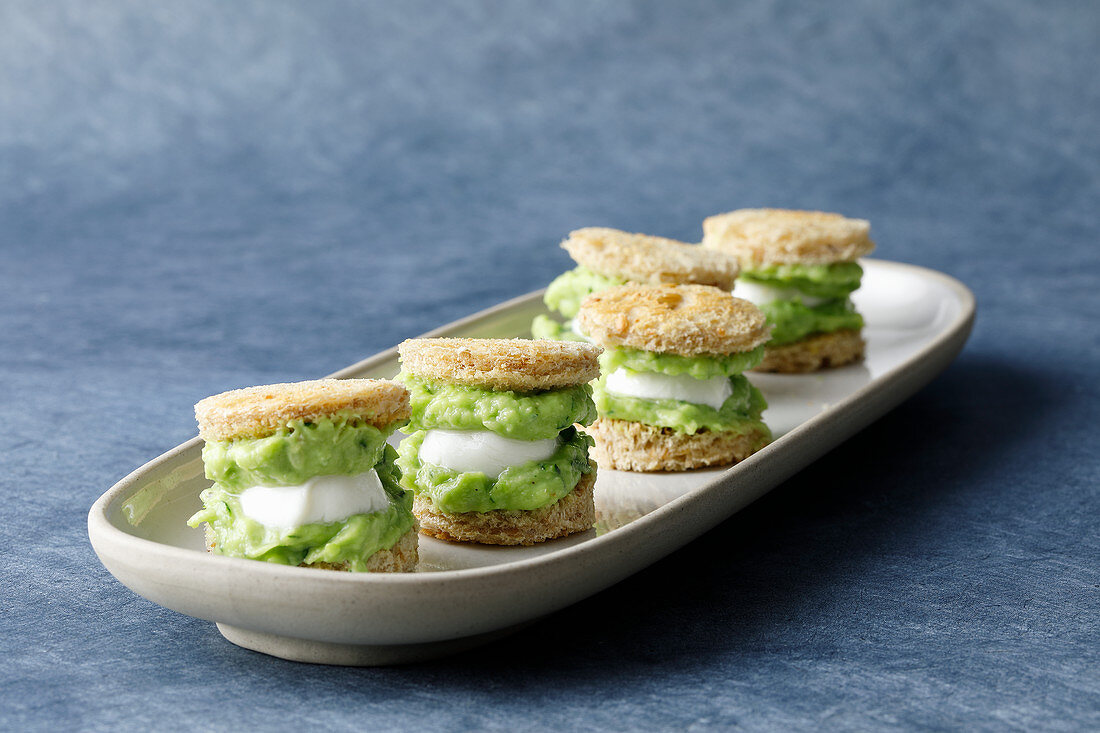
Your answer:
<point x="198" y="196"/>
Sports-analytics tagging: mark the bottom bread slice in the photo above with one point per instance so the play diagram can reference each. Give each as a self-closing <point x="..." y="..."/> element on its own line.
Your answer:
<point x="633" y="446"/>
<point x="819" y="351"/>
<point x="574" y="512"/>
<point x="401" y="558"/>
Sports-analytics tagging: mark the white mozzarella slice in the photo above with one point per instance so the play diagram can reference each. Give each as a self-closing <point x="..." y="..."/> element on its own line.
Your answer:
<point x="761" y="294"/>
<point x="320" y="499"/>
<point x="481" y="451"/>
<point x="654" y="386"/>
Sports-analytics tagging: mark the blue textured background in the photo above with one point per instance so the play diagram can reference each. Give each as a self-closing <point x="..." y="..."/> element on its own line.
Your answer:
<point x="198" y="196"/>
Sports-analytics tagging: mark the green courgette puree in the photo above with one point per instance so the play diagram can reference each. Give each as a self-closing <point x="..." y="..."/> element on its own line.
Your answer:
<point x="793" y="320"/>
<point x="703" y="366"/>
<point x="336" y="445"/>
<point x="739" y="413"/>
<point x="515" y="415"/>
<point x="328" y="446"/>
<point x="564" y="295"/>
<point x="545" y="327"/>
<point x="530" y="485"/>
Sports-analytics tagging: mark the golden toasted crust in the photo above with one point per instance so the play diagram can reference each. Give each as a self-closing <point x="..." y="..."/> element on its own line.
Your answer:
<point x="522" y="365"/>
<point x="819" y="351"/>
<point x="782" y="236"/>
<point x="574" y="512"/>
<point x="633" y="446"/>
<point x="401" y="558"/>
<point x="254" y="412"/>
<point x="646" y="259"/>
<point x="675" y="319"/>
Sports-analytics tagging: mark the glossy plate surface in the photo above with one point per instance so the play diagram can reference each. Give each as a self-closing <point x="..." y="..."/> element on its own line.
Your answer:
<point x="917" y="321"/>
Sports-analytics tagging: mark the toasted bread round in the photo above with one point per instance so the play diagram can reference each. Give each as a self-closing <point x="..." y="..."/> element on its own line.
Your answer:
<point x="646" y="259"/>
<point x="815" y="352"/>
<point x="522" y="365"/>
<point x="574" y="512"/>
<point x="633" y="446"/>
<point x="782" y="236"/>
<point x="255" y="412"/>
<point x="401" y="558"/>
<point x="676" y="319"/>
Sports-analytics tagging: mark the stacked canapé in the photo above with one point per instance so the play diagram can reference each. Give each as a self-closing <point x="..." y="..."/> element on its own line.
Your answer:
<point x="672" y="396"/>
<point x="303" y="475"/>
<point x="800" y="268"/>
<point x="492" y="454"/>
<point x="609" y="257"/>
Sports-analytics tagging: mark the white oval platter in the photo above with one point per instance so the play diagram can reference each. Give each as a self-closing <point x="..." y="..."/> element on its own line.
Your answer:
<point x="917" y="321"/>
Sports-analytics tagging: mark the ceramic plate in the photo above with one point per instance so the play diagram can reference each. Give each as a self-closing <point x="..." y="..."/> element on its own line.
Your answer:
<point x="917" y="321"/>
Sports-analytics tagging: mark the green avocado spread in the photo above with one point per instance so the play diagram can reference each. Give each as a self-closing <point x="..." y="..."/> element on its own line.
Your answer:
<point x="517" y="415"/>
<point x="528" y="486"/>
<point x="703" y="366"/>
<point x="545" y="327"/>
<point x="566" y="291"/>
<point x="792" y="320"/>
<point x="352" y="540"/>
<point x="740" y="412"/>
<point x="335" y="445"/>
<point x="837" y="280"/>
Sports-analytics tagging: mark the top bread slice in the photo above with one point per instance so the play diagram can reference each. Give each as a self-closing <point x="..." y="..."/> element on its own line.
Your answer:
<point x="645" y="259"/>
<point x="256" y="412"/>
<point x="783" y="237"/>
<point x="689" y="320"/>
<point x="521" y="365"/>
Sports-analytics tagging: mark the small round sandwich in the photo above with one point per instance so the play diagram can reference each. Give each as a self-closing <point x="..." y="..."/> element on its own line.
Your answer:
<point x="800" y="268"/>
<point x="303" y="475"/>
<point x="609" y="257"/>
<point x="672" y="396"/>
<point x="492" y="454"/>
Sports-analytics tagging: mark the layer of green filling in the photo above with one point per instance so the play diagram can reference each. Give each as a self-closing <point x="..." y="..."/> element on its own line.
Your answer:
<point x="565" y="293"/>
<point x="792" y="320"/>
<point x="545" y="327"/>
<point x="527" y="486"/>
<point x="352" y="540"/>
<point x="740" y="412"/>
<point x="700" y="367"/>
<point x="837" y="280"/>
<point x="299" y="451"/>
<point x="518" y="415"/>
